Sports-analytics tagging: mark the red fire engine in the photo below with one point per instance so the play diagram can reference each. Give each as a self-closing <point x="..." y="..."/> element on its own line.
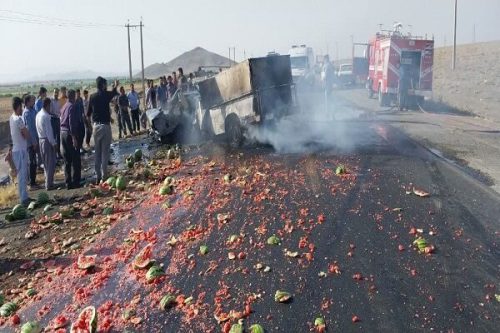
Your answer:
<point x="400" y="65"/>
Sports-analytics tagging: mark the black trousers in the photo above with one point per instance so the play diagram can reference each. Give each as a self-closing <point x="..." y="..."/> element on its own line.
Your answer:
<point x="33" y="165"/>
<point x="125" y="119"/>
<point x="136" y="125"/>
<point x="72" y="161"/>
<point x="56" y="128"/>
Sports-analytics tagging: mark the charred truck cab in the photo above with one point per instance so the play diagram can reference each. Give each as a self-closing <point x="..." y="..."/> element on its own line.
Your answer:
<point x="251" y="93"/>
<point x="400" y="68"/>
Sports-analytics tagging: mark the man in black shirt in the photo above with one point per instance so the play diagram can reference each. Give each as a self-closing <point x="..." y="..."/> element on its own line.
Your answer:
<point x="100" y="114"/>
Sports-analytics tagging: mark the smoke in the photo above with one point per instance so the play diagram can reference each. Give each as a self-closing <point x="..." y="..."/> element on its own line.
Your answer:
<point x="312" y="129"/>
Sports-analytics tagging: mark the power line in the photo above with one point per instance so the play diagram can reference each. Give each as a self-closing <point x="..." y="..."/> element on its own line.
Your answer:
<point x="22" y="17"/>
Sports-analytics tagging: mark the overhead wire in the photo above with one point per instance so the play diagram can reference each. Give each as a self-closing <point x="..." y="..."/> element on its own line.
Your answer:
<point x="23" y="17"/>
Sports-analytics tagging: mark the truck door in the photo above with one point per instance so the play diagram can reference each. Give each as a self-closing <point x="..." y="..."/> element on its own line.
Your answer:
<point x="411" y="61"/>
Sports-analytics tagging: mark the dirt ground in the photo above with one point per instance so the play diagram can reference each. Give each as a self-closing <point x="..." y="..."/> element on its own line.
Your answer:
<point x="475" y="83"/>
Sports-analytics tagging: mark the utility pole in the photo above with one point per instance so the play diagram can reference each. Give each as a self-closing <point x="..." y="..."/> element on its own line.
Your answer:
<point x="234" y="54"/>
<point x="230" y="63"/>
<point x="337" y="52"/>
<point x="454" y="59"/>
<point x="129" y="52"/>
<point x="474" y="34"/>
<point x="142" y="71"/>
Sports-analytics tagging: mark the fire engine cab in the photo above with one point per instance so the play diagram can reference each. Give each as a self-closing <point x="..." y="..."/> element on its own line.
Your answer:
<point x="400" y="68"/>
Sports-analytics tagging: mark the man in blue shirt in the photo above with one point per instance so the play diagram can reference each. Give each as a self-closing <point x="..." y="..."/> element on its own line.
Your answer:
<point x="42" y="93"/>
<point x="29" y="117"/>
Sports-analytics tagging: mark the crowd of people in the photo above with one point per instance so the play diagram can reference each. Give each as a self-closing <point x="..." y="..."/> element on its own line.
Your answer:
<point x="47" y="131"/>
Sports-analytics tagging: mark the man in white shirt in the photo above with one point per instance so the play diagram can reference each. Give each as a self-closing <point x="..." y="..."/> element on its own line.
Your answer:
<point x="19" y="149"/>
<point x="47" y="143"/>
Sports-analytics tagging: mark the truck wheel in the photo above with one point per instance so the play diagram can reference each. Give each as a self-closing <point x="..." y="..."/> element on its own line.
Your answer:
<point x="234" y="133"/>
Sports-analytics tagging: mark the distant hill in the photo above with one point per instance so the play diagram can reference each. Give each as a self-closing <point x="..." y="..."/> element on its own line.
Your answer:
<point x="189" y="61"/>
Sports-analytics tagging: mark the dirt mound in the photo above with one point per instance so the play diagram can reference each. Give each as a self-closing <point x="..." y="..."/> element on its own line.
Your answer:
<point x="475" y="83"/>
<point x="189" y="61"/>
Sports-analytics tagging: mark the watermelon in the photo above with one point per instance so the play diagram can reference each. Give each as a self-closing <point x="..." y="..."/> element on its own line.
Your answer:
<point x="340" y="170"/>
<point x="107" y="211"/>
<point x="421" y="244"/>
<point x="165" y="190"/>
<point x="30" y="292"/>
<point x="2" y="299"/>
<point x="47" y="208"/>
<point x="138" y="155"/>
<point x="86" y="321"/>
<point x="203" y="250"/>
<point x="94" y="192"/>
<point x="7" y="309"/>
<point x="42" y="198"/>
<point x="236" y="328"/>
<point x="282" y="296"/>
<point x="256" y="328"/>
<point x="146" y="173"/>
<point x="128" y="313"/>
<point x="143" y="259"/>
<point x="66" y="212"/>
<point x="319" y="323"/>
<point x="129" y="163"/>
<point x="19" y="212"/>
<point x="167" y="302"/>
<point x="121" y="183"/>
<point x="86" y="262"/>
<point x="31" y="327"/>
<point x="154" y="272"/>
<point x="111" y="181"/>
<point x="273" y="240"/>
<point x="9" y="217"/>
<point x="168" y="181"/>
<point x="32" y="205"/>
<point x="170" y="154"/>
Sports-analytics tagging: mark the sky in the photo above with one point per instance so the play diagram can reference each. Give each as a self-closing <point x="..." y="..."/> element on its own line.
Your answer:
<point x="93" y="36"/>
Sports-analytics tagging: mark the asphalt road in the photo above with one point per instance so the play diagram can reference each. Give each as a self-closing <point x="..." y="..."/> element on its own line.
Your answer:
<point x="356" y="223"/>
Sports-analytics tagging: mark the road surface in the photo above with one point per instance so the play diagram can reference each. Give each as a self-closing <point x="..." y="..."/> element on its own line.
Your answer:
<point x="355" y="264"/>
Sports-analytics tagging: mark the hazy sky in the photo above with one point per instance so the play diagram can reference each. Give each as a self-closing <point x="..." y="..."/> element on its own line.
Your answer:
<point x="252" y="26"/>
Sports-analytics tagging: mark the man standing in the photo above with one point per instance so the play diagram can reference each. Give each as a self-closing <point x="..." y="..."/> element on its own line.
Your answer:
<point x="63" y="98"/>
<point x="71" y="128"/>
<point x="79" y="108"/>
<point x="47" y="143"/>
<point x="183" y="82"/>
<point x="42" y="93"/>
<point x="134" y="102"/>
<point x="101" y="117"/>
<point x="19" y="148"/>
<point x="328" y="74"/>
<point x="87" y="120"/>
<point x="124" y="115"/>
<point x="171" y="88"/>
<point x="162" y="94"/>
<point x="55" y="111"/>
<point x="175" y="81"/>
<point x="29" y="117"/>
<point x="150" y="96"/>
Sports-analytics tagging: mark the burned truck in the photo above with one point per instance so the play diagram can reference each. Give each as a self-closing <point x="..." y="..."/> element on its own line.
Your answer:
<point x="254" y="92"/>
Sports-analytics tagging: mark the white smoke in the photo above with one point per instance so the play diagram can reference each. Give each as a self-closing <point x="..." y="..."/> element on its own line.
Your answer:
<point x="312" y="129"/>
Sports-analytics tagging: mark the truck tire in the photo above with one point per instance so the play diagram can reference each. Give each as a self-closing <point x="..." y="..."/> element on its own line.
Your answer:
<point x="234" y="132"/>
